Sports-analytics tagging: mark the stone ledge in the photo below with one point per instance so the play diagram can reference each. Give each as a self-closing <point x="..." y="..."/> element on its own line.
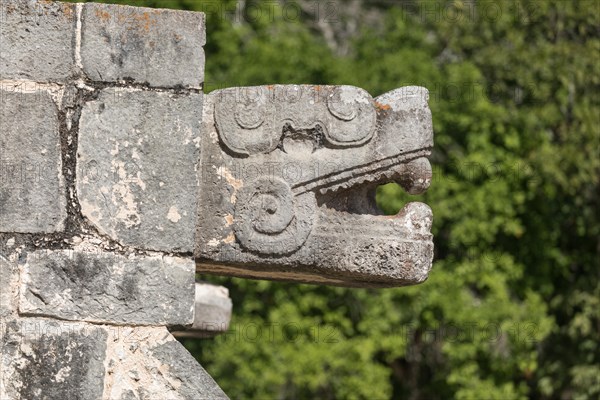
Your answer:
<point x="212" y="312"/>
<point x="108" y="288"/>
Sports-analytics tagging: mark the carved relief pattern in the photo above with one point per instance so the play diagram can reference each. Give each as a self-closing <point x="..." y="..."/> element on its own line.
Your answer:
<point x="270" y="219"/>
<point x="252" y="120"/>
<point x="291" y="175"/>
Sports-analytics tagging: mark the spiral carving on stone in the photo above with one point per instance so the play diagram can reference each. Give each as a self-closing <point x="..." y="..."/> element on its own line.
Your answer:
<point x="355" y="116"/>
<point x="270" y="219"/>
<point x="245" y="121"/>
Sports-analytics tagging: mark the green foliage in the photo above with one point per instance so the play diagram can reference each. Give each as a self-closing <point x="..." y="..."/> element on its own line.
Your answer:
<point x="511" y="309"/>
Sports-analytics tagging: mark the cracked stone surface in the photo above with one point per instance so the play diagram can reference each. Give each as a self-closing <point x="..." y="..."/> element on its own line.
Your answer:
<point x="32" y="194"/>
<point x="148" y="363"/>
<point x="195" y="382"/>
<point x="100" y="109"/>
<point x="140" y="151"/>
<point x="106" y="287"/>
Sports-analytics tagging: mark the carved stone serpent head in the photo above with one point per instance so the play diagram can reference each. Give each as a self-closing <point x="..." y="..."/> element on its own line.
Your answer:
<point x="288" y="181"/>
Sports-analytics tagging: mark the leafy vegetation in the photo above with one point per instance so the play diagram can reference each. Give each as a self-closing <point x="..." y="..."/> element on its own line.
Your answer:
<point x="512" y="307"/>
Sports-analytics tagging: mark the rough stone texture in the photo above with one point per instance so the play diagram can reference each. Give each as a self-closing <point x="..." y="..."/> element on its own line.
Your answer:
<point x="9" y="281"/>
<point x="212" y="312"/>
<point x="37" y="40"/>
<point x="147" y="363"/>
<point x="32" y="196"/>
<point x="105" y="287"/>
<point x="142" y="150"/>
<point x="160" y="47"/>
<point x="196" y="384"/>
<point x="47" y="360"/>
<point x="289" y="174"/>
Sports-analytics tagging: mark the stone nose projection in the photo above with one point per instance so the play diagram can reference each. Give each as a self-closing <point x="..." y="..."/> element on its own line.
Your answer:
<point x="120" y="180"/>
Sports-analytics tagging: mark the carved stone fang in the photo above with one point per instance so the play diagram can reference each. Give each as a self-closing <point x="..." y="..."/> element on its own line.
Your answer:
<point x="289" y="174"/>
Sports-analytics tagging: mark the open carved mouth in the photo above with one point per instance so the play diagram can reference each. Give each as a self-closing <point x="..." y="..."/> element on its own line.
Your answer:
<point x="397" y="248"/>
<point x="357" y="195"/>
<point x="310" y="214"/>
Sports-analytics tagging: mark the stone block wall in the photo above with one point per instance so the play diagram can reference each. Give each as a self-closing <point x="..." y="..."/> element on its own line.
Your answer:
<point x="100" y="110"/>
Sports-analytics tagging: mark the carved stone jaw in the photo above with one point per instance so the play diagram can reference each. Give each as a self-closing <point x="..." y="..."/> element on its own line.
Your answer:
<point x="288" y="185"/>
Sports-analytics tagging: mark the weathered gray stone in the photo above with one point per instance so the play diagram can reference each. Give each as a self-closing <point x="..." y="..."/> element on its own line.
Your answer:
<point x="160" y="47"/>
<point x="32" y="196"/>
<point x="143" y="149"/>
<point x="105" y="287"/>
<point x="196" y="384"/>
<point x="212" y="312"/>
<point x="47" y="360"/>
<point x="9" y="283"/>
<point x="148" y="363"/>
<point x="289" y="174"/>
<point x="37" y="40"/>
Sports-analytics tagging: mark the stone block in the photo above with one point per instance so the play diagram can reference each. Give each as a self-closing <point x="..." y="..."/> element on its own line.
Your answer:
<point x="9" y="284"/>
<point x="183" y="367"/>
<point x="148" y="363"/>
<point x="45" y="359"/>
<point x="32" y="194"/>
<point x="212" y="312"/>
<point x="162" y="48"/>
<point x="108" y="288"/>
<point x="139" y="151"/>
<point x="37" y="40"/>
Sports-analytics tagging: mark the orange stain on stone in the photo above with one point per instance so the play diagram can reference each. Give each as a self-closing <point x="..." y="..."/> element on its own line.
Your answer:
<point x="383" y="107"/>
<point x="131" y="21"/>
<point x="103" y="15"/>
<point x="67" y="9"/>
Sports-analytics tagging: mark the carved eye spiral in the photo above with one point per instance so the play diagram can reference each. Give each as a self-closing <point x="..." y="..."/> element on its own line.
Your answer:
<point x="342" y="105"/>
<point x="354" y="113"/>
<point x="244" y="120"/>
<point x="249" y="115"/>
<point x="270" y="219"/>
